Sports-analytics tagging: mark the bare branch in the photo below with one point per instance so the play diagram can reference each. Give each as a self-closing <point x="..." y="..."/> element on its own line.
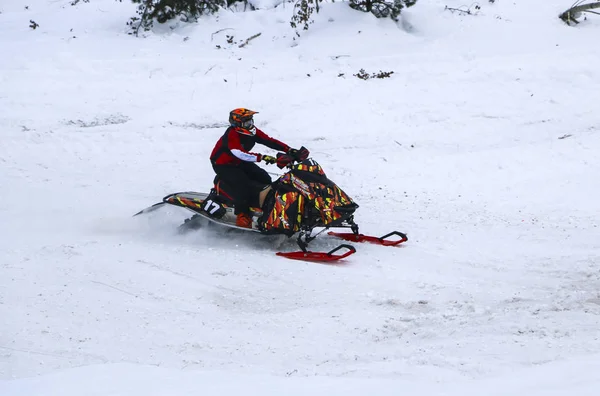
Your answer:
<point x="209" y="69"/>
<point x="464" y="10"/>
<point x="248" y="40"/>
<point x="218" y="31"/>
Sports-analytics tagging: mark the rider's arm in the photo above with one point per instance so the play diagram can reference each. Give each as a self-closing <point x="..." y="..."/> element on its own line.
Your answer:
<point x="235" y="146"/>
<point x="268" y="141"/>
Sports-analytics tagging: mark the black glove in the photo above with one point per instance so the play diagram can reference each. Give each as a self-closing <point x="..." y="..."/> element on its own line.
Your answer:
<point x="299" y="155"/>
<point x="268" y="159"/>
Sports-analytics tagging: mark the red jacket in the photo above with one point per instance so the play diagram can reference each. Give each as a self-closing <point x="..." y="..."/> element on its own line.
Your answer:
<point x="234" y="147"/>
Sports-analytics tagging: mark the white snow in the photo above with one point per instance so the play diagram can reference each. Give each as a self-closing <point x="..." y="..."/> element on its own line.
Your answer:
<point x="482" y="146"/>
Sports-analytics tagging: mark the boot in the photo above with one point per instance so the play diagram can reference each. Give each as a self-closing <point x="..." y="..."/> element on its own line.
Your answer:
<point x="243" y="220"/>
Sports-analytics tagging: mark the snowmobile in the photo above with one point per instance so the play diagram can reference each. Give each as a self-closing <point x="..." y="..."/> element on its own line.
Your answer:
<point x="301" y="200"/>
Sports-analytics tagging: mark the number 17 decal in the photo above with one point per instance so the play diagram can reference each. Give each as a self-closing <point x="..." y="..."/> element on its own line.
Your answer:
<point x="211" y="207"/>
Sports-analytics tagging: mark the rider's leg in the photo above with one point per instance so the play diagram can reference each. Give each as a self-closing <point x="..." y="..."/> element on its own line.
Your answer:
<point x="240" y="186"/>
<point x="261" y="176"/>
<point x="256" y="173"/>
<point x="263" y="195"/>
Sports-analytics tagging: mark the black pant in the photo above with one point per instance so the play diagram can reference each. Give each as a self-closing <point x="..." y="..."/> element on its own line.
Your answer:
<point x="244" y="182"/>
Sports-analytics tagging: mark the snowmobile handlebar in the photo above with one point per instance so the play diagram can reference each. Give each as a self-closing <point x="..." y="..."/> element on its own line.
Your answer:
<point x="286" y="159"/>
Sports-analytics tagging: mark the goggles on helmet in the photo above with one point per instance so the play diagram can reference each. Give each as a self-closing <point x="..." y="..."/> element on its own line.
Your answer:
<point x="248" y="124"/>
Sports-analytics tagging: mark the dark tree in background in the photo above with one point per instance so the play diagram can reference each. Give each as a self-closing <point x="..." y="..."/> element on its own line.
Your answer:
<point x="382" y="8"/>
<point x="164" y="10"/>
<point x="303" y="10"/>
<point x="161" y="11"/>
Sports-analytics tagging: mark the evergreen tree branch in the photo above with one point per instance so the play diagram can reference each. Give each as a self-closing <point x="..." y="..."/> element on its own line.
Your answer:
<point x="575" y="11"/>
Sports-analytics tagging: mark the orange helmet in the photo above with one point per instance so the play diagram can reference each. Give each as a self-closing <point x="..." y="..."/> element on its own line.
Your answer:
<point x="243" y="119"/>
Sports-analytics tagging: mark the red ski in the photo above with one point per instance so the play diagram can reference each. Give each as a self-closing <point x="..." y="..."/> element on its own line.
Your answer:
<point x="371" y="239"/>
<point x="319" y="256"/>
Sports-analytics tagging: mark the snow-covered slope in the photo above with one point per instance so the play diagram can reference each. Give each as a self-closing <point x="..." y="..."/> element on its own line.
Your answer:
<point x="482" y="146"/>
<point x="571" y="377"/>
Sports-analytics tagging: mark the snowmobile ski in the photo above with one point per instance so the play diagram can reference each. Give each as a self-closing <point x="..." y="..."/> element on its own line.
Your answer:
<point x="371" y="239"/>
<point x="319" y="256"/>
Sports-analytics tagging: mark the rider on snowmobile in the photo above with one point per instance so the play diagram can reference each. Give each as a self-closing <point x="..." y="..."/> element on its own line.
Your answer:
<point x="233" y="162"/>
